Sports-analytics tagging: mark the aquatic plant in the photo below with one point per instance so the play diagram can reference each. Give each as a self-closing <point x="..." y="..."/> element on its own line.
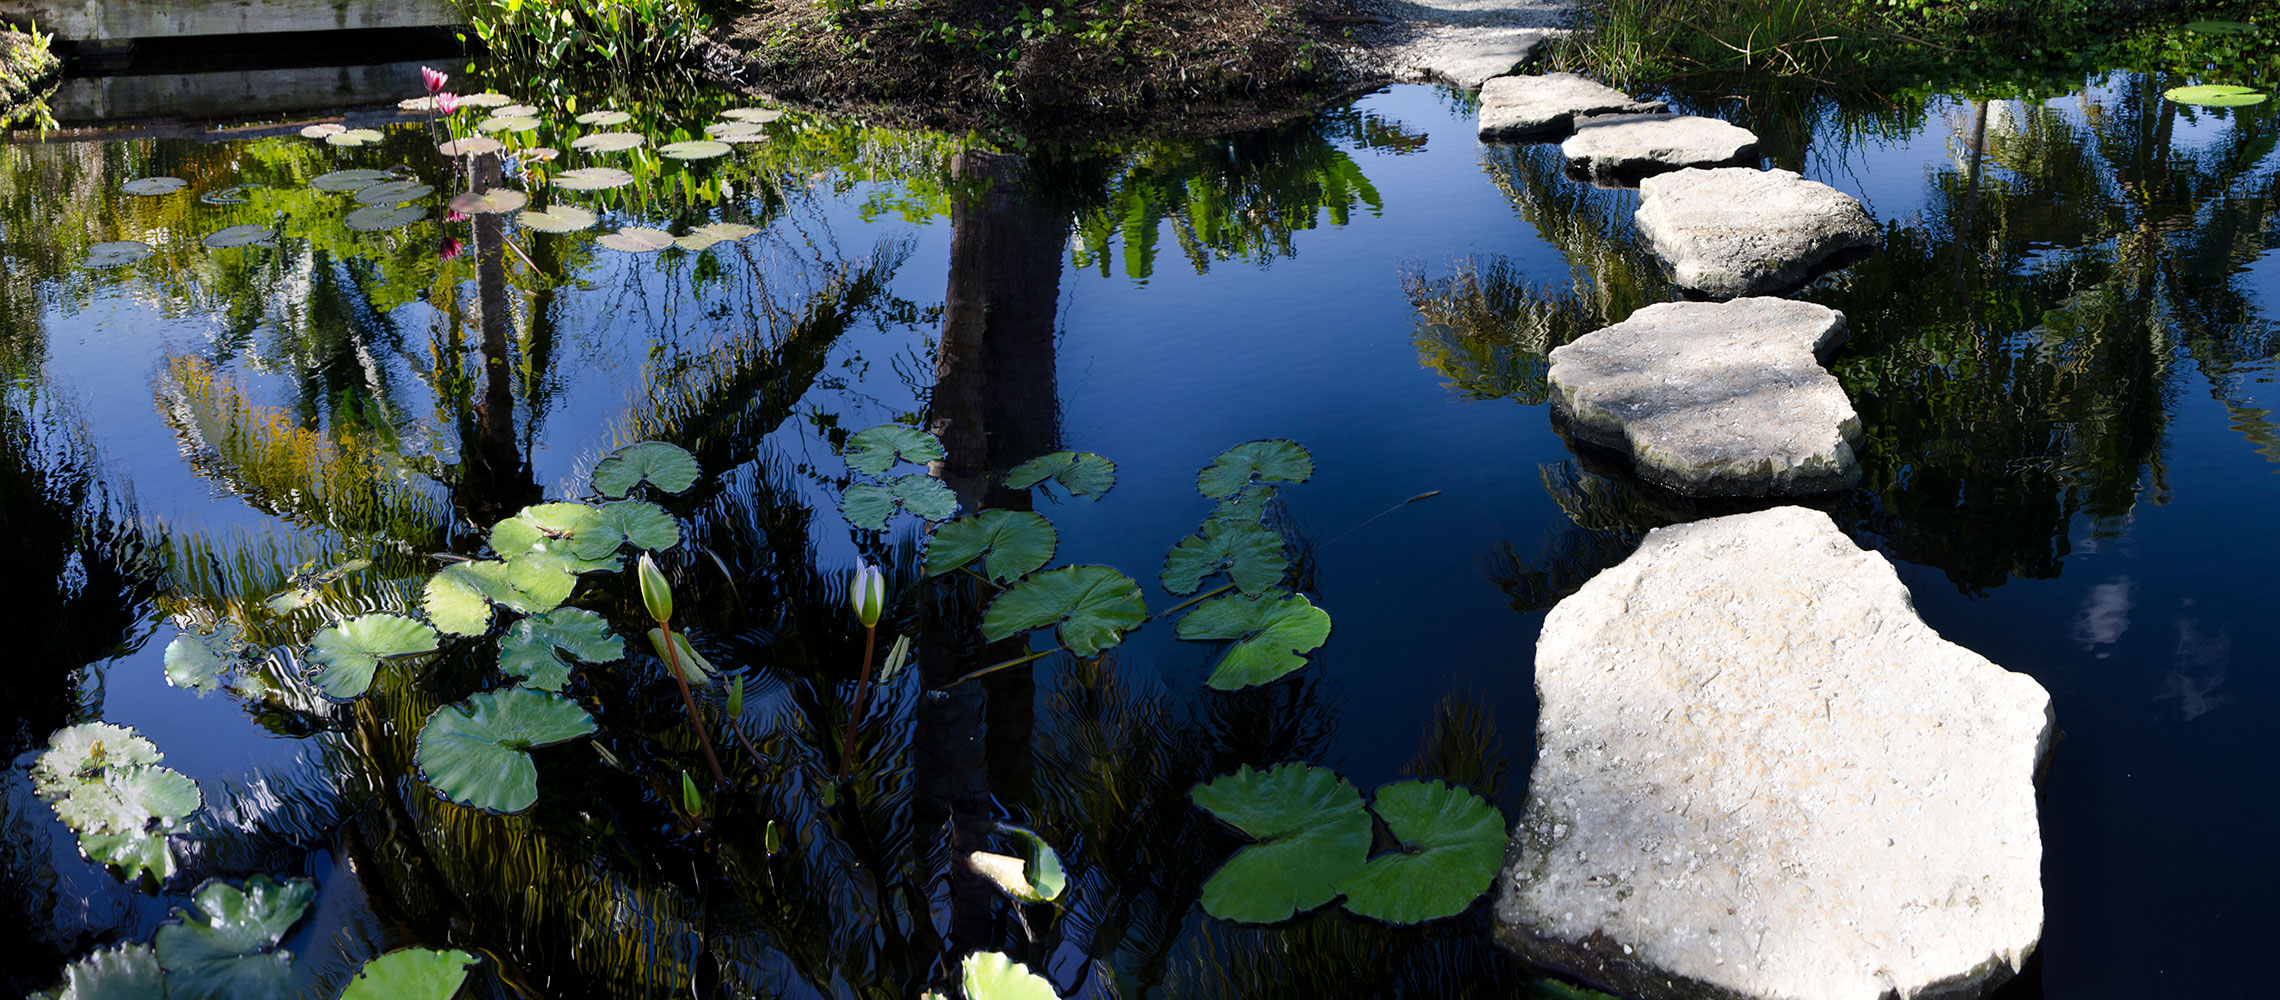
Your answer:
<point x="411" y="974"/>
<point x="106" y="783"/>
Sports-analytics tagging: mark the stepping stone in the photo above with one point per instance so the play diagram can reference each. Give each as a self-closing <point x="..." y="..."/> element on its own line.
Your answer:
<point x="1619" y="150"/>
<point x="1470" y="57"/>
<point x="1529" y="108"/>
<point x="1734" y="231"/>
<point x="1759" y="774"/>
<point x="1715" y="398"/>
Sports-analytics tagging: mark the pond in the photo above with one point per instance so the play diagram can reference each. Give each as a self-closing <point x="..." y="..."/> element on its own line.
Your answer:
<point x="2063" y="358"/>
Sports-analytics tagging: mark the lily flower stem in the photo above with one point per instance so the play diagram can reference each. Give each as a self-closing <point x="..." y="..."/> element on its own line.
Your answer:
<point x="673" y="657"/>
<point x="1197" y="599"/>
<point x="1007" y="665"/>
<point x="862" y="693"/>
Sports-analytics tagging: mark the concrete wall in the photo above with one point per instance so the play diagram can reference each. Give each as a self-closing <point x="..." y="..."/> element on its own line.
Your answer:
<point x="118" y="20"/>
<point x="232" y="94"/>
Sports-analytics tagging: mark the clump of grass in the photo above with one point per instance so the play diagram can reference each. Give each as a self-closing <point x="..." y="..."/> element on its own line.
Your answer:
<point x="27" y="70"/>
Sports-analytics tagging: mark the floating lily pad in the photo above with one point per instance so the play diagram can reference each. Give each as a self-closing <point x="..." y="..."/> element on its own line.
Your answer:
<point x="694" y="149"/>
<point x="118" y="254"/>
<point x="458" y="597"/>
<point x="727" y="231"/>
<point x="1251" y="554"/>
<point x="486" y="99"/>
<point x="538" y="154"/>
<point x="1272" y="634"/>
<point x="152" y="187"/>
<point x="592" y="179"/>
<point x="1312" y="835"/>
<point x="696" y="242"/>
<point x="758" y="116"/>
<point x="870" y="506"/>
<point x="127" y="972"/>
<point x="663" y="466"/>
<point x="393" y="193"/>
<point x="496" y="201"/>
<point x="1092" y="606"/>
<point x="604" y="118"/>
<point x="411" y="974"/>
<point x="1244" y="506"/>
<point x="375" y="218"/>
<point x="304" y="586"/>
<point x="1254" y="461"/>
<point x="507" y="123"/>
<point x="1082" y="473"/>
<point x="240" y="236"/>
<point x="636" y="239"/>
<point x="880" y="448"/>
<point x="557" y="219"/>
<point x="476" y="752"/>
<point x="2215" y="95"/>
<point x="226" y="947"/>
<point x="1040" y="865"/>
<point x="589" y="537"/>
<point x="106" y="783"/>
<point x="355" y="137"/>
<point x="1012" y="543"/>
<point x="347" y="654"/>
<point x="608" y="142"/>
<point x="419" y="105"/>
<point x="196" y="662"/>
<point x="539" y="648"/>
<point x="988" y="975"/>
<point x="322" y="130"/>
<point x="1451" y="843"/>
<point x="474" y="145"/>
<point x="699" y="670"/>
<point x="342" y="181"/>
<point x="723" y="131"/>
<point x="235" y="194"/>
<point x="515" y="111"/>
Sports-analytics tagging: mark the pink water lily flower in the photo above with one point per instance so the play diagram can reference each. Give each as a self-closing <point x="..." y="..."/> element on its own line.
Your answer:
<point x="434" y="78"/>
<point x="451" y="248"/>
<point x="447" y="102"/>
<point x="455" y="216"/>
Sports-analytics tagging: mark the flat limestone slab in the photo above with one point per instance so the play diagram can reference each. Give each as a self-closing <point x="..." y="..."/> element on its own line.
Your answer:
<point x="1716" y="398"/>
<point x="1622" y="149"/>
<point x="1731" y="231"/>
<point x="1468" y="58"/>
<point x="1760" y="775"/>
<point x="1529" y="108"/>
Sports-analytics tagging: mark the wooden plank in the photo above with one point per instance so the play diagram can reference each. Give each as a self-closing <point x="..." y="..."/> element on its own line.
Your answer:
<point x="123" y="20"/>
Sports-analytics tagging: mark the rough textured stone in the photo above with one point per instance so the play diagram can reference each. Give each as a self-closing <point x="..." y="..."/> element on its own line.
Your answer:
<point x="1715" y="398"/>
<point x="1470" y="58"/>
<point x="1461" y="42"/>
<point x="1616" y="149"/>
<point x="1759" y="774"/>
<point x="1519" y="108"/>
<point x="1738" y="231"/>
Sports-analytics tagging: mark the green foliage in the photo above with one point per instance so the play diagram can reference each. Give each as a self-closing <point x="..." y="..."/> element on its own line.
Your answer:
<point x="458" y="597"/>
<point x="226" y="948"/>
<point x="539" y="648"/>
<point x="618" y="37"/>
<point x="1449" y="845"/>
<point x="196" y="662"/>
<point x="880" y="448"/>
<point x="989" y="975"/>
<point x="1091" y="606"/>
<point x="1251" y="554"/>
<point x="1311" y="832"/>
<point x="1081" y="473"/>
<point x="127" y="972"/>
<point x="1254" y="462"/>
<point x="348" y="653"/>
<point x="476" y="752"/>
<point x="663" y="466"/>
<point x="699" y="669"/>
<point x="869" y="506"/>
<point x="1011" y="544"/>
<point x="2216" y="95"/>
<point x="1272" y="632"/>
<point x="107" y="785"/>
<point x="411" y="974"/>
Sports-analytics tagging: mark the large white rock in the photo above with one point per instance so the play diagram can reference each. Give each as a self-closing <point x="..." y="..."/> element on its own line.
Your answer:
<point x="1731" y="231"/>
<point x="1715" y="398"/>
<point x="1614" y="149"/>
<point x="1523" y="108"/>
<point x="1759" y="774"/>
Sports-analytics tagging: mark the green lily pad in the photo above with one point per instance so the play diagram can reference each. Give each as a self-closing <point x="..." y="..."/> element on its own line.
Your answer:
<point x="557" y="219"/>
<point x="636" y="239"/>
<point x="1312" y="835"/>
<point x="322" y="130"/>
<point x="665" y="467"/>
<point x="377" y="218"/>
<point x="345" y="181"/>
<point x="475" y="752"/>
<point x="757" y="116"/>
<point x="132" y="853"/>
<point x="1041" y="864"/>
<point x="696" y="242"/>
<point x="127" y="972"/>
<point x="515" y="111"/>
<point x="507" y="123"/>
<point x="393" y="193"/>
<point x="411" y="974"/>
<point x="152" y="187"/>
<point x="225" y="948"/>
<point x="1092" y="606"/>
<point x="486" y="99"/>
<point x="105" y="782"/>
<point x="608" y="142"/>
<point x="869" y="506"/>
<point x="534" y="648"/>
<point x="694" y="149"/>
<point x="725" y="131"/>
<point x="2219" y="27"/>
<point x="1244" y="506"/>
<point x="1012" y="543"/>
<point x="496" y="201"/>
<point x="727" y="231"/>
<point x="458" y="597"/>
<point x="1082" y="473"/>
<point x="474" y="145"/>
<point x="196" y="662"/>
<point x="699" y="670"/>
<point x="591" y="179"/>
<point x="1272" y="633"/>
<point x="304" y="587"/>
<point x="604" y="118"/>
<point x="1254" y="461"/>
<point x="1451" y="846"/>
<point x="989" y="975"/>
<point x="880" y="448"/>
<point x="567" y="529"/>
<point x="347" y="654"/>
<point x="240" y="236"/>
<point x="355" y="137"/>
<point x="1250" y="552"/>
<point x="116" y="254"/>
<point x="2215" y="95"/>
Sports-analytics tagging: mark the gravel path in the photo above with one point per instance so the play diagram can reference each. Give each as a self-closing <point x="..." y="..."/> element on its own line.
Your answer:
<point x="1461" y="42"/>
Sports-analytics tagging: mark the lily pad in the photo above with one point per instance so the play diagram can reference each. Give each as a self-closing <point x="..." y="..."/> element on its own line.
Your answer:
<point x="474" y="145"/>
<point x="724" y="131"/>
<point x="1011" y="543"/>
<point x="535" y="648"/>
<point x="347" y="654"/>
<point x="869" y="506"/>
<point x="696" y="242"/>
<point x="106" y="783"/>
<point x="1082" y="473"/>
<point x="1451" y="845"/>
<point x="608" y="142"/>
<point x="420" y="105"/>
<point x="759" y="116"/>
<point x="1041" y="864"/>
<point x="2219" y="27"/>
<point x="1244" y="506"/>
<point x="226" y="947"/>
<point x="694" y="149"/>
<point x="476" y="752"/>
<point x="322" y="130"/>
<point x="538" y="154"/>
<point x="355" y="137"/>
<point x="1093" y="606"/>
<point x="636" y="239"/>
<point x="586" y="538"/>
<point x="1254" y="461"/>
<point x="458" y="597"/>
<point x="699" y="669"/>
<point x="1312" y="835"/>
<point x="665" y="467"/>
<point x="118" y="254"/>
<point x="604" y="118"/>
<point x="486" y="99"/>
<point x="196" y="662"/>
<point x="557" y="219"/>
<point x="303" y="587"/>
<point x="591" y="179"/>
<point x="240" y="236"/>
<point x="127" y="972"/>
<point x="989" y="975"/>
<point x="515" y="111"/>
<point x="496" y="201"/>
<point x="727" y="231"/>
<point x="152" y="187"/>
<point x="2215" y="95"/>
<point x="235" y="194"/>
<point x="411" y="974"/>
<point x="376" y="218"/>
<point x="343" y="181"/>
<point x="393" y="193"/>
<point x="1251" y="554"/>
<point x="507" y="123"/>
<point x="1272" y="634"/>
<point x="880" y="448"/>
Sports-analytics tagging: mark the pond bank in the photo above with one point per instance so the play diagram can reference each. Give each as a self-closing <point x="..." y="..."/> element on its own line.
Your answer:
<point x="27" y="70"/>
